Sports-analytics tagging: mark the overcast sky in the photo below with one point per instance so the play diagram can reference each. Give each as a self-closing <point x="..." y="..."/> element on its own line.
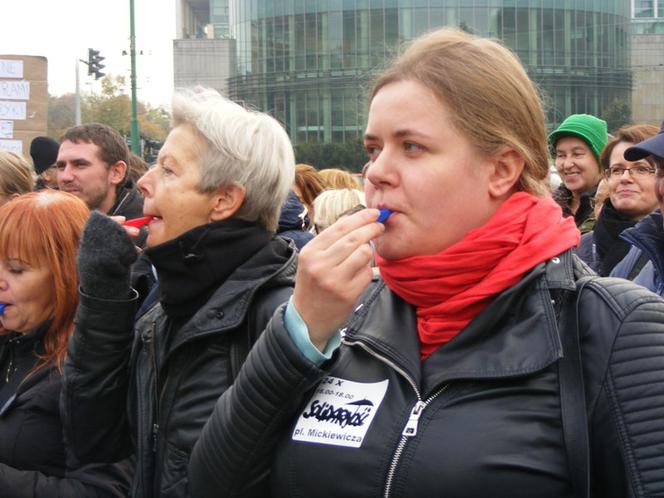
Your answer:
<point x="63" y="31"/>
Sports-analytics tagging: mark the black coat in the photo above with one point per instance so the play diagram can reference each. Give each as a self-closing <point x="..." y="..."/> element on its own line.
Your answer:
<point x="35" y="462"/>
<point x="585" y="214"/>
<point x="129" y="203"/>
<point x="128" y="391"/>
<point x="482" y="416"/>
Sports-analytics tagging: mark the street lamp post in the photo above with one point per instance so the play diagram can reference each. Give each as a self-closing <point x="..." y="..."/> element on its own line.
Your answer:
<point x="77" y="112"/>
<point x="135" y="137"/>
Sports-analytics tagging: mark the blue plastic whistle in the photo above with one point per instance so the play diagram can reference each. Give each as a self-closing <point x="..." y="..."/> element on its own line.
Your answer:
<point x="384" y="215"/>
<point x="2" y="308"/>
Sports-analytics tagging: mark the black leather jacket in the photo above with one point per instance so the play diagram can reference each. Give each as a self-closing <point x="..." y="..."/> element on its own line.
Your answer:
<point x="482" y="416"/>
<point x="35" y="461"/>
<point x="127" y="391"/>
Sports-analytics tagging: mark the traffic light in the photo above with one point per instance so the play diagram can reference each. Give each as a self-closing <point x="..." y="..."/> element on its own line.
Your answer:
<point x="94" y="63"/>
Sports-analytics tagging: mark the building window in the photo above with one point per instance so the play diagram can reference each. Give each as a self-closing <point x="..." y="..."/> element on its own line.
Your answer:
<point x="644" y="8"/>
<point x="316" y="55"/>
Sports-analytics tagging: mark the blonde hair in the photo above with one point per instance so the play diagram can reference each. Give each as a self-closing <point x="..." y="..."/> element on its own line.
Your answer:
<point x="15" y="174"/>
<point x="490" y="97"/>
<point x="336" y="178"/>
<point x="331" y="204"/>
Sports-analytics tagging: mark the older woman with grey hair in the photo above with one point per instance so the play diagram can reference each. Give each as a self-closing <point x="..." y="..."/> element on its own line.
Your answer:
<point x="146" y="382"/>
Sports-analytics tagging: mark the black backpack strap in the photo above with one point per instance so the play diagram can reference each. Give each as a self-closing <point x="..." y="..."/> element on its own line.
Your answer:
<point x="638" y="265"/>
<point x="240" y="346"/>
<point x="572" y="394"/>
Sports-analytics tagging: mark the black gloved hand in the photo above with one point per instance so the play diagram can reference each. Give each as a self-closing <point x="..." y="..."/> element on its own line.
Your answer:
<point x="105" y="256"/>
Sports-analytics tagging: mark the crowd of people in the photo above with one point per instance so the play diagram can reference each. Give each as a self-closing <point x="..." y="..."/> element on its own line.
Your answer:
<point x="265" y="333"/>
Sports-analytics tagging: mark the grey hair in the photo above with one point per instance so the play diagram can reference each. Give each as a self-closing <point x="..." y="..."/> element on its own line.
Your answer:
<point x="245" y="147"/>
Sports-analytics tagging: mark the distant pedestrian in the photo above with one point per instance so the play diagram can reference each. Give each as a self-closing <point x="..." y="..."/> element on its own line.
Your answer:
<point x="293" y="221"/>
<point x="576" y="145"/>
<point x="15" y="176"/>
<point x="44" y="153"/>
<point x="336" y="178"/>
<point x="644" y="263"/>
<point x="308" y="185"/>
<point x="330" y="205"/>
<point x="631" y="196"/>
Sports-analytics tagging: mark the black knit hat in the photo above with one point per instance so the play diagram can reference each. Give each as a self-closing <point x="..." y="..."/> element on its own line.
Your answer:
<point x="44" y="153"/>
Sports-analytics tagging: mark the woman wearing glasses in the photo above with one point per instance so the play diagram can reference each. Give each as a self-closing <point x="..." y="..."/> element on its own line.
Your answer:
<point x="644" y="263"/>
<point x="631" y="197"/>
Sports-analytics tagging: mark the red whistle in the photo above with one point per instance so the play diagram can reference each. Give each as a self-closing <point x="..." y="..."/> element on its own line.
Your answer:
<point x="138" y="222"/>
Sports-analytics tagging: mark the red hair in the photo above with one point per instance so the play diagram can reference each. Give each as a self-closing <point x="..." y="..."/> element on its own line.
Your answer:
<point x="43" y="229"/>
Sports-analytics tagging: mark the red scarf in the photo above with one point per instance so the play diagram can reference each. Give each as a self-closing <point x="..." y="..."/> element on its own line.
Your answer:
<point x="452" y="287"/>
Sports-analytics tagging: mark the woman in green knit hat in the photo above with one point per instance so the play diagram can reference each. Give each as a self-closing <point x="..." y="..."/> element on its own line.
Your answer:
<point x="576" y="145"/>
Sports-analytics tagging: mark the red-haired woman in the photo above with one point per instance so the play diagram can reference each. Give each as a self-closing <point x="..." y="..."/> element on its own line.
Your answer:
<point x="39" y="235"/>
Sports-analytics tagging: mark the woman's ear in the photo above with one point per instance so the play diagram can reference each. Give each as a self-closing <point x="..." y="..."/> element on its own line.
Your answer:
<point x="227" y="201"/>
<point x="507" y="167"/>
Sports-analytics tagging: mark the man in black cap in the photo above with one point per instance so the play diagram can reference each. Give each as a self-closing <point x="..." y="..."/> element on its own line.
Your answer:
<point x="644" y="263"/>
<point x="44" y="153"/>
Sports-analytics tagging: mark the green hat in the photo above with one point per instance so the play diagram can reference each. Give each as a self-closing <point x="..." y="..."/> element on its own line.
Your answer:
<point x="588" y="128"/>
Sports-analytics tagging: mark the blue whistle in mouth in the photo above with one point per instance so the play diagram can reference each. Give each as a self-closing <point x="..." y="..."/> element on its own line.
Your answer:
<point x="2" y="308"/>
<point x="384" y="215"/>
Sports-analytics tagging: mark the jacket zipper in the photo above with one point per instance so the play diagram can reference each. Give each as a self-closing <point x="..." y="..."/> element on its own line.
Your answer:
<point x="410" y="429"/>
<point x="139" y="485"/>
<point x="155" y="419"/>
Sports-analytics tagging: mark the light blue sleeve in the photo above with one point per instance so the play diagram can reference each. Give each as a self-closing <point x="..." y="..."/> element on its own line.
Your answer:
<point x="297" y="330"/>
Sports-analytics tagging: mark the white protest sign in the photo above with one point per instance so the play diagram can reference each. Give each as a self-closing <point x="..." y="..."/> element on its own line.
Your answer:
<point x="11" y="68"/>
<point x="13" y="110"/>
<point x="14" y="90"/>
<point x="6" y="129"/>
<point x="340" y="412"/>
<point x="15" y="146"/>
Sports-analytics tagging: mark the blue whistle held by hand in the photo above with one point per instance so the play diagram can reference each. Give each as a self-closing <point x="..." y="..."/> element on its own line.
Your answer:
<point x="2" y="308"/>
<point x="384" y="215"/>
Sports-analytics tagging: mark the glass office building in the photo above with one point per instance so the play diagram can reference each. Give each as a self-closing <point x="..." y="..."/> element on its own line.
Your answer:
<point x="310" y="62"/>
<point x="647" y="46"/>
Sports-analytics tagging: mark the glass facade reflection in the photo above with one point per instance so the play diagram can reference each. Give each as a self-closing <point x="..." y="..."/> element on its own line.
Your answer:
<point x="220" y="18"/>
<point x="310" y="62"/>
<point x="648" y="17"/>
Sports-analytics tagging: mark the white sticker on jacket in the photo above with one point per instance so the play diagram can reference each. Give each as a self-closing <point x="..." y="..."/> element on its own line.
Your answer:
<point x="340" y="412"/>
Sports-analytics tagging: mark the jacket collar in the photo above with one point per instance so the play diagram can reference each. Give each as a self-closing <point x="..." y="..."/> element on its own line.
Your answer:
<point x="128" y="201"/>
<point x="515" y="335"/>
<point x="648" y="235"/>
<point x="229" y="304"/>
